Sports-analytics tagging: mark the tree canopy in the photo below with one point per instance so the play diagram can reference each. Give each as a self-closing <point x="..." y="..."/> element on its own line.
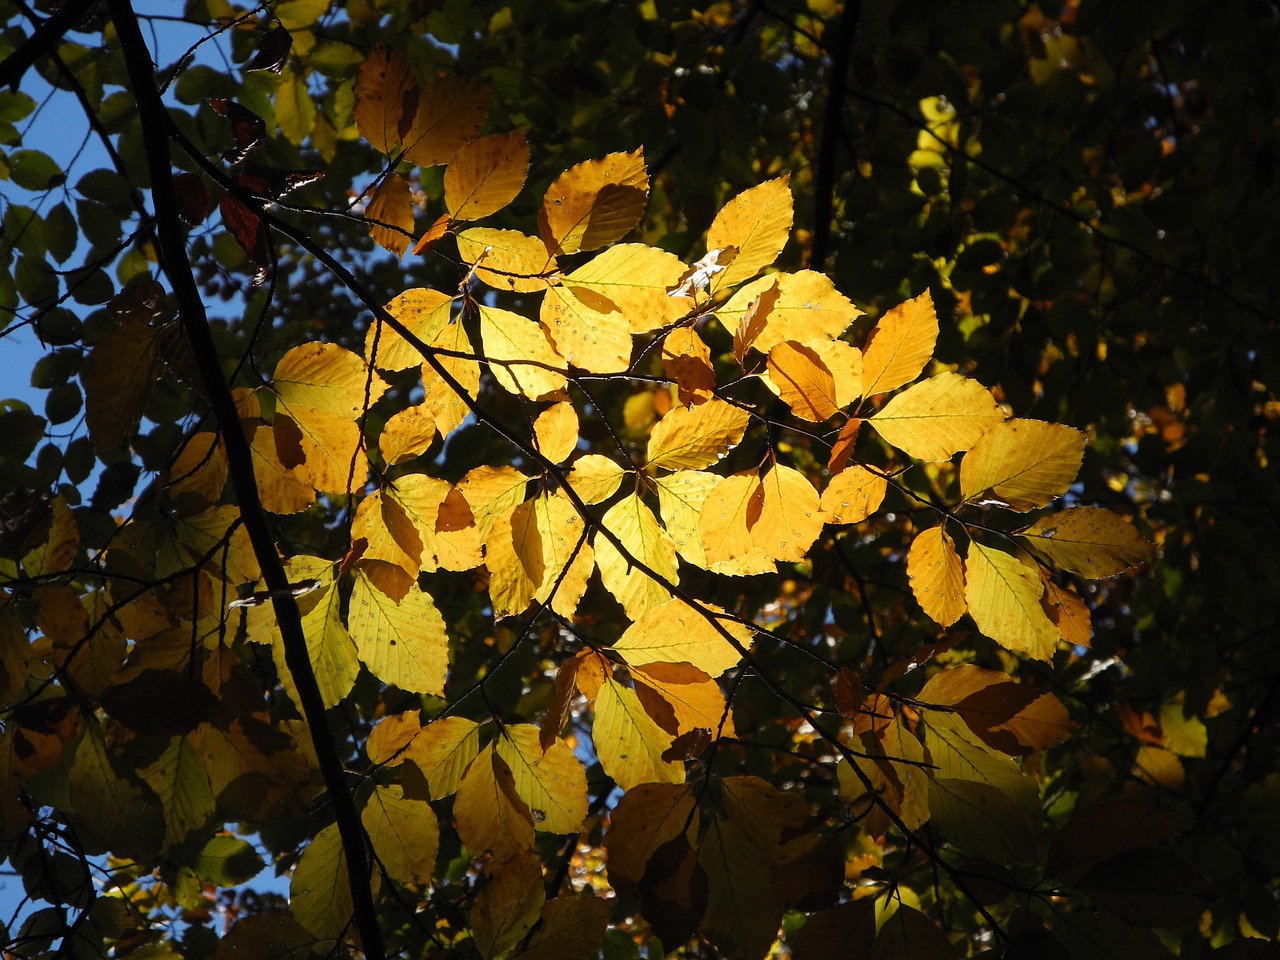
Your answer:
<point x="571" y="478"/>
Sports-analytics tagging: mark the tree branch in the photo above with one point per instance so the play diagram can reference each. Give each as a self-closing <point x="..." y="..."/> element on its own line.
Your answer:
<point x="832" y="132"/>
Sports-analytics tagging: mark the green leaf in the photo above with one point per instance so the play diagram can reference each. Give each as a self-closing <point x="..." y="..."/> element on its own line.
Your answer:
<point x="33" y="170"/>
<point x="227" y="861"/>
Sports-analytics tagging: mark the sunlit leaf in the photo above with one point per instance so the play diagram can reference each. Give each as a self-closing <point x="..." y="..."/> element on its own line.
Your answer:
<point x="448" y="113"/>
<point x="805" y="307"/>
<point x="1003" y="595"/>
<point x="790" y="516"/>
<point x="594" y="203"/>
<point x="934" y="419"/>
<point x="643" y="539"/>
<point x="937" y="578"/>
<point x="404" y="643"/>
<point x="404" y="834"/>
<point x="381" y="87"/>
<point x="674" y="632"/>
<point x="757" y="222"/>
<point x="443" y="751"/>
<point x="1089" y="541"/>
<point x="424" y="311"/>
<point x="588" y="331"/>
<point x="805" y="382"/>
<point x="486" y="175"/>
<point x="490" y="817"/>
<point x="852" y="495"/>
<point x="1024" y="463"/>
<point x="633" y="277"/>
<point x="900" y="345"/>
<point x="552" y="783"/>
<point x="595" y="478"/>
<point x="519" y="355"/>
<point x="689" y="438"/>
<point x="628" y="742"/>
<point x="555" y="431"/>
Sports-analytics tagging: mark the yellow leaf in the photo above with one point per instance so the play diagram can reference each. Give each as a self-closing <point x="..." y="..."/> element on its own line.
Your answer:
<point x="507" y="259"/>
<point x="295" y="107"/>
<point x="555" y="431"/>
<point x="448" y="113"/>
<point x="1011" y="717"/>
<point x="390" y="215"/>
<point x="680" y="499"/>
<point x="389" y="738"/>
<point x="1003" y="596"/>
<point x="647" y="817"/>
<point x="937" y="579"/>
<point x="628" y="742"/>
<point x="674" y="632"/>
<point x="790" y="517"/>
<point x="689" y="438"/>
<point x="595" y="478"/>
<point x="845" y="363"/>
<point x="490" y="817"/>
<point x="729" y="511"/>
<point x="403" y="644"/>
<point x="567" y="559"/>
<point x="333" y="654"/>
<point x="757" y="222"/>
<point x="1069" y="614"/>
<point x="693" y="698"/>
<point x="519" y="355"/>
<point x="594" y="204"/>
<point x="588" y="331"/>
<point x="447" y="406"/>
<point x="491" y="491"/>
<point x="853" y="495"/>
<point x="509" y="902"/>
<point x="424" y="311"/>
<point x="384" y="80"/>
<point x="407" y="434"/>
<point x="686" y="359"/>
<point x="117" y="382"/>
<point x="319" y="894"/>
<point x="1025" y="463"/>
<point x="281" y="489"/>
<point x="938" y="417"/>
<point x="635" y="526"/>
<point x="330" y="445"/>
<point x="634" y="277"/>
<point x="1089" y="541"/>
<point x="892" y="762"/>
<point x="803" y="381"/>
<point x="404" y="834"/>
<point x="900" y="345"/>
<point x="326" y="377"/>
<point x="198" y="473"/>
<point x="805" y="307"/>
<point x="514" y="557"/>
<point x="570" y="928"/>
<point x="178" y="779"/>
<point x="485" y="175"/>
<point x="389" y="535"/>
<point x="551" y="783"/>
<point x="442" y="751"/>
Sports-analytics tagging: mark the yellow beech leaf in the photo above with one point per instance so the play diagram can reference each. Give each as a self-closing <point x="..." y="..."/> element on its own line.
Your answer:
<point x="900" y="345"/>
<point x="570" y="928"/>
<point x="404" y="833"/>
<point x="507" y="259"/>
<point x="689" y="438"/>
<point x="1011" y="717"/>
<point x="629" y="743"/>
<point x="686" y="359"/>
<point x="555" y="431"/>
<point x="1069" y="614"/>
<point x="790" y="517"/>
<point x="424" y="311"/>
<point x="448" y="407"/>
<point x="485" y="175"/>
<point x="333" y="654"/>
<point x="936" y="576"/>
<point x="567" y="558"/>
<point x="390" y="737"/>
<point x="407" y="434"/>
<point x="390" y="215"/>
<point x="694" y="700"/>
<point x="938" y="417"/>
<point x="1025" y="463"/>
<point x="640" y="534"/>
<point x="647" y="817"/>
<point x="117" y="382"/>
<point x="1003" y="595"/>
<point x="845" y="363"/>
<point x="587" y="331"/>
<point x="198" y="473"/>
<point x="442" y="751"/>
<point x="680" y="499"/>
<point x="595" y="478"/>
<point x="319" y="893"/>
<point x="806" y="307"/>
<point x="179" y="781"/>
<point x="280" y="488"/>
<point x="1089" y="541"/>
<point x="803" y="381"/>
<point x="490" y="817"/>
<point x="389" y="534"/>
<point x="420" y="497"/>
<point x="491" y="491"/>
<point x="892" y="762"/>
<point x="759" y="298"/>
<point x="330" y="445"/>
<point x="457" y="544"/>
<point x="674" y="632"/>
<point x="403" y="644"/>
<point x="729" y="511"/>
<point x="447" y="114"/>
<point x="552" y="783"/>
<point x="853" y="495"/>
<point x="509" y="902"/>
<point x="594" y="204"/>
<point x="634" y="277"/>
<point x="757" y="222"/>
<point x="513" y="555"/>
<point x="382" y="85"/>
<point x="519" y="355"/>
<point x="327" y="377"/>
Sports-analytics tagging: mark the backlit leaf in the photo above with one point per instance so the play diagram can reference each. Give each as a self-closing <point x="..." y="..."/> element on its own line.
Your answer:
<point x="1008" y="716"/>
<point x="485" y="175"/>
<point x="407" y="434"/>
<point x="507" y="259"/>
<point x="570" y="928"/>
<point x="1089" y="541"/>
<point x="404" y="834"/>
<point x="555" y="431"/>
<point x="804" y="381"/>
<point x="1024" y="463"/>
<point x="595" y="478"/>
<point x="509" y="902"/>
<point x="404" y="643"/>
<point x="552" y="783"/>
<point x="390" y="215"/>
<point x="628" y="742"/>
<point x="640" y="534"/>
<point x="178" y="779"/>
<point x="689" y="438"/>
<point x="852" y="495"/>
<point x="938" y="417"/>
<point x="634" y="277"/>
<point x="443" y="751"/>
<point x="326" y="377"/>
<point x="901" y="344"/>
<point x="937" y="578"/>
<point x="333" y="654"/>
<point x="448" y="113"/>
<point x="646" y="817"/>
<point x="424" y="311"/>
<point x="807" y="306"/>
<point x="694" y="700"/>
<point x="1003" y="595"/>
<point x="319" y="894"/>
<point x="520" y="357"/>
<point x="594" y="203"/>
<point x="587" y="331"/>
<point x="490" y="817"/>
<point x="790" y="517"/>
<point x="384" y="80"/>
<point x="757" y="222"/>
<point x="680" y="499"/>
<point x="686" y="359"/>
<point x="673" y="632"/>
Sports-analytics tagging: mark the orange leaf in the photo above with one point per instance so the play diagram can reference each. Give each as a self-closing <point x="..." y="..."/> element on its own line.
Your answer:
<point x="594" y="203"/>
<point x="390" y="215"/>
<point x="485" y="175"/>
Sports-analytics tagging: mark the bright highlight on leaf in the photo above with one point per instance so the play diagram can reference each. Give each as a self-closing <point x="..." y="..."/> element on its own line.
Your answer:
<point x="757" y="222"/>
<point x="937" y="578"/>
<point x="1003" y="595"/>
<point x="900" y="345"/>
<point x="1024" y="463"/>
<point x="938" y="417"/>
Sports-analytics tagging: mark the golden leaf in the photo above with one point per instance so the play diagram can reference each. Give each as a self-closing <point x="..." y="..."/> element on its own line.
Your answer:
<point x="628" y="742"/>
<point x="728" y="513"/>
<point x="804" y="382"/>
<point x="640" y="534"/>
<point x="674" y="632"/>
<point x="686" y="359"/>
<point x="1069" y="614"/>
<point x="331" y="448"/>
<point x="1008" y="716"/>
<point x="555" y="431"/>
<point x="1003" y="595"/>
<point x="507" y="259"/>
<point x="807" y="307"/>
<point x="403" y="644"/>
<point x="900" y="345"/>
<point x="490" y="817"/>
<point x="693" y="698"/>
<point x="893" y="765"/>
<point x="647" y="816"/>
<point x="1025" y="463"/>
<point x="938" y="417"/>
<point x="198" y="473"/>
<point x="404" y="834"/>
<point x="491" y="491"/>
<point x="588" y="331"/>
<point x="442" y="751"/>
<point x="689" y="438"/>
<point x="446" y="405"/>
<point x="448" y="113"/>
<point x="845" y="363"/>
<point x="419" y="498"/>
<point x="390" y="215"/>
<point x="567" y="559"/>
<point x="326" y="377"/>
<point x="390" y="737"/>
<point x="407" y="434"/>
<point x="634" y="277"/>
<point x="485" y="175"/>
<point x="757" y="222"/>
<point x="551" y="783"/>
<point x="595" y="477"/>
<point x="680" y="499"/>
<point x="594" y="204"/>
<point x="333" y="654"/>
<point x="513" y="555"/>
<point x="519" y="355"/>
<point x="937" y="579"/>
<point x="424" y="311"/>
<point x="384" y="80"/>
<point x="390" y="535"/>
<point x="281" y="489"/>
<point x="790" y="517"/>
<point x="1090" y="541"/>
<point x="853" y="495"/>
<point x="509" y="902"/>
